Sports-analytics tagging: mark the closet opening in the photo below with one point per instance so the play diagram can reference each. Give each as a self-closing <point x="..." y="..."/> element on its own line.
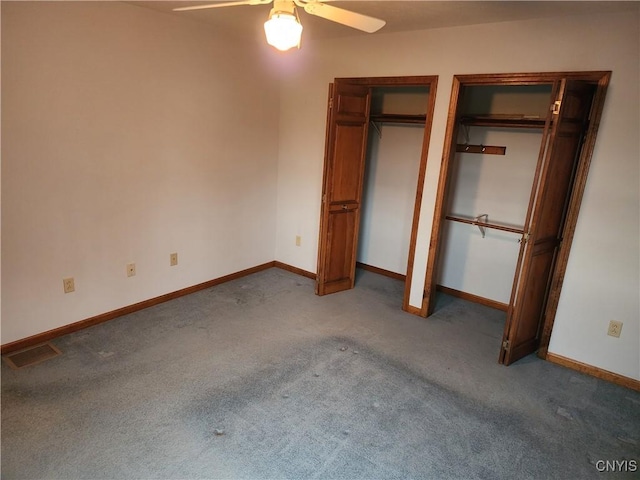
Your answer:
<point x="500" y="130"/>
<point x="392" y="167"/>
<point x="515" y="163"/>
<point x="375" y="161"/>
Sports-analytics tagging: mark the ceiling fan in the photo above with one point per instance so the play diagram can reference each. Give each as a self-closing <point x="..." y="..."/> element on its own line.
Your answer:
<point x="283" y="28"/>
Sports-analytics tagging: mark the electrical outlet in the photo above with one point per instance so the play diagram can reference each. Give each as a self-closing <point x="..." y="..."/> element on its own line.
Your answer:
<point x="173" y="259"/>
<point x="298" y="240"/>
<point x="615" y="328"/>
<point x="69" y="285"/>
<point x="131" y="269"/>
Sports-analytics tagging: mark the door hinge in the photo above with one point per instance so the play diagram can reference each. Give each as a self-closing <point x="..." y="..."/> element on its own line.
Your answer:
<point x="505" y="344"/>
<point x="556" y="107"/>
<point x="330" y="103"/>
<point x="524" y="238"/>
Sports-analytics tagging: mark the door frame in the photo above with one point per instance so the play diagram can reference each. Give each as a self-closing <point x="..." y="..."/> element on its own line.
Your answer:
<point x="431" y="82"/>
<point x="601" y="80"/>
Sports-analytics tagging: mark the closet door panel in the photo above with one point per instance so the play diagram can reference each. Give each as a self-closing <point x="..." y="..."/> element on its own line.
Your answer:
<point x="345" y="151"/>
<point x="528" y="332"/>
<point x="550" y="199"/>
<point x="342" y="226"/>
<point x="347" y="165"/>
<point x="553" y="209"/>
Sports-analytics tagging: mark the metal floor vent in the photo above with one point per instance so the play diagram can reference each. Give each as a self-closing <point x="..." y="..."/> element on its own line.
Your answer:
<point x="31" y="355"/>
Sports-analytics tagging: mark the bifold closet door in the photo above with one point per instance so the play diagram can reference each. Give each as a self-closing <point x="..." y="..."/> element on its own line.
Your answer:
<point x="345" y="152"/>
<point x="550" y="197"/>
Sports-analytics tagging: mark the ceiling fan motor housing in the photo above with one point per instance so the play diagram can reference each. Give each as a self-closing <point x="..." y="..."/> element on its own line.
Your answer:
<point x="283" y="6"/>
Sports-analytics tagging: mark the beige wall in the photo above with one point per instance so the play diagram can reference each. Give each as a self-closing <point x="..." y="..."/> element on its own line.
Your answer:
<point x="127" y="135"/>
<point x="602" y="281"/>
<point x="389" y="196"/>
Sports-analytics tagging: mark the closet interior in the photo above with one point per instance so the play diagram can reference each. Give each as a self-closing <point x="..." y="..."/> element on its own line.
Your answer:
<point x="498" y="140"/>
<point x="392" y="165"/>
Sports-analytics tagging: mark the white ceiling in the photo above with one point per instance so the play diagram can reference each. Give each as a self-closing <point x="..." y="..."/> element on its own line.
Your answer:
<point x="248" y="21"/>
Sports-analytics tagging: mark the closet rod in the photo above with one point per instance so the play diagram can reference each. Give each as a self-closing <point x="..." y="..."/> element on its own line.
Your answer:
<point x="486" y="225"/>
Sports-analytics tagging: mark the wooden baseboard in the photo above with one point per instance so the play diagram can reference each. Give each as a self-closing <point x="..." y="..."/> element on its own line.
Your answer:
<point x="381" y="271"/>
<point x="594" y="371"/>
<point x="104" y="317"/>
<point x="296" y="270"/>
<point x="413" y="310"/>
<point x="473" y="298"/>
<point x="396" y="276"/>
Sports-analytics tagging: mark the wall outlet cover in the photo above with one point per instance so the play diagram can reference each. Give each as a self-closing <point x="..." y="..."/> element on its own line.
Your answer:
<point x="68" y="285"/>
<point x="615" y="328"/>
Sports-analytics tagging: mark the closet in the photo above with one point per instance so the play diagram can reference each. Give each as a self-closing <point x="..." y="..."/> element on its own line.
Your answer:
<point x="515" y="162"/>
<point x="375" y="159"/>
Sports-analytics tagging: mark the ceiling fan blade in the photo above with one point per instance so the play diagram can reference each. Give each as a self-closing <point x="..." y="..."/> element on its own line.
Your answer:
<point x="222" y="4"/>
<point x="345" y="17"/>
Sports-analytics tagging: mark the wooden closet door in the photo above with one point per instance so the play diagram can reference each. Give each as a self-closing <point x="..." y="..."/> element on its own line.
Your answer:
<point x="345" y="152"/>
<point x="550" y="196"/>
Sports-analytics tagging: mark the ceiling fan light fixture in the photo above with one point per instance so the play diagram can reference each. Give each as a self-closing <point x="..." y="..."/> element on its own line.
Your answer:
<point x="283" y="30"/>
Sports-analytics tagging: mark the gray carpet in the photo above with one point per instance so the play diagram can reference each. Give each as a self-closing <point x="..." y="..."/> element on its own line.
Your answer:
<point x="259" y="378"/>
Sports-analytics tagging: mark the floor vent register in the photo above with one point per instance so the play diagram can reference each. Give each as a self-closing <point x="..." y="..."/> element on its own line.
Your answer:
<point x="31" y="356"/>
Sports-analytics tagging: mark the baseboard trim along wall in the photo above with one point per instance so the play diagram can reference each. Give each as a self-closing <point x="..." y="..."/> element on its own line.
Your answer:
<point x="381" y="271"/>
<point x="473" y="298"/>
<point x="414" y="310"/>
<point x="299" y="271"/>
<point x="594" y="371"/>
<point x="104" y="317"/>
